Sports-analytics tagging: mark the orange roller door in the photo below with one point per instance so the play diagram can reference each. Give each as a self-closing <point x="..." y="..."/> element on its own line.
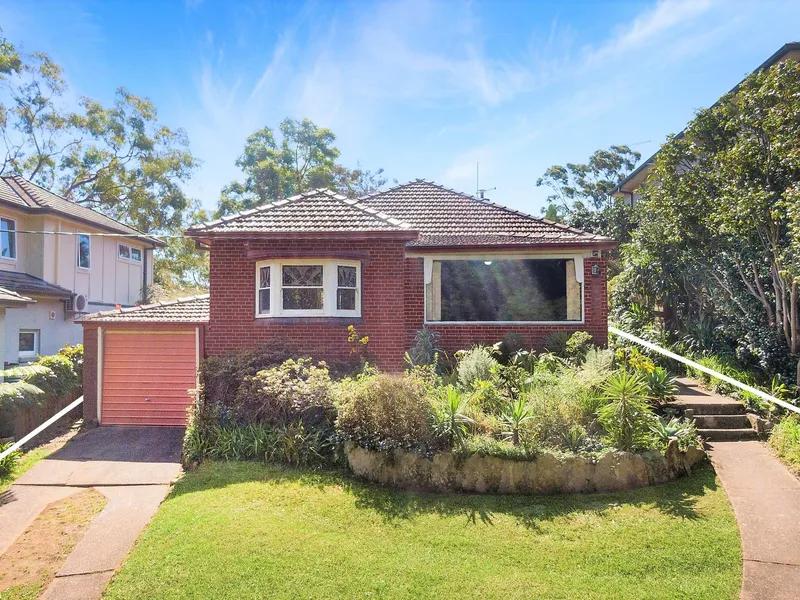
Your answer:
<point x="146" y="376"/>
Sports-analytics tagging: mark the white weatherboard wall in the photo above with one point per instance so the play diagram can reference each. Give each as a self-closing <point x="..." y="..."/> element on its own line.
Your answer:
<point x="54" y="334"/>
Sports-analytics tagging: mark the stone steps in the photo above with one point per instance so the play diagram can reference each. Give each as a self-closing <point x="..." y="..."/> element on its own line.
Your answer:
<point x="722" y="421"/>
<point x="728" y="435"/>
<point x="718" y="418"/>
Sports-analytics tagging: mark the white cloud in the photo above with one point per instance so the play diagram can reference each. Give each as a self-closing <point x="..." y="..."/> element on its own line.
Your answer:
<point x="651" y="27"/>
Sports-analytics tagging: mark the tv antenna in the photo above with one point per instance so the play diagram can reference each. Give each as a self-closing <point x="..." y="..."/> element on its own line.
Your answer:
<point x="479" y="191"/>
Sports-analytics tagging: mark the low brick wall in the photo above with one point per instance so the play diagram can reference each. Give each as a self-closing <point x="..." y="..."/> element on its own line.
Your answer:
<point x="547" y="474"/>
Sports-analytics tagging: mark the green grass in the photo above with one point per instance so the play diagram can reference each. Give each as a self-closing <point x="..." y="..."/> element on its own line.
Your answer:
<point x="33" y="456"/>
<point x="785" y="441"/>
<point x="245" y="530"/>
<point x="25" y="462"/>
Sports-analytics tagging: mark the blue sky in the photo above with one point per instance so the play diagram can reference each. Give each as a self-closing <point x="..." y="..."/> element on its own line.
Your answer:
<point x="421" y="88"/>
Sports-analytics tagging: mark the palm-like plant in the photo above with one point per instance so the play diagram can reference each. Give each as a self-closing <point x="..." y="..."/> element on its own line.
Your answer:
<point x="661" y="385"/>
<point x="450" y="418"/>
<point x="627" y="416"/>
<point x="516" y="414"/>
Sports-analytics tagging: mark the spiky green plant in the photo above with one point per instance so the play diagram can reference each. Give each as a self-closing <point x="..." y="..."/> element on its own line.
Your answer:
<point x="450" y="418"/>
<point x="517" y="413"/>
<point x="627" y="416"/>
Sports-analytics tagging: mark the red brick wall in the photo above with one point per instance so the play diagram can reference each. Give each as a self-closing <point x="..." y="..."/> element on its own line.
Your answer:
<point x="392" y="306"/>
<point x="233" y="325"/>
<point x="457" y="337"/>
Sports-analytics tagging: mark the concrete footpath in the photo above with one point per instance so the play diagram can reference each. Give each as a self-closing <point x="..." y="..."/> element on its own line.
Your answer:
<point x="766" y="501"/>
<point x="132" y="467"/>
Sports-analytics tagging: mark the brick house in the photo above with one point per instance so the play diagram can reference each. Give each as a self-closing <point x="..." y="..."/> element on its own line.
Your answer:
<point x="301" y="270"/>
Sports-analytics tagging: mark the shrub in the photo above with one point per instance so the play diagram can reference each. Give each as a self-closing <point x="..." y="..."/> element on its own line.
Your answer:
<point x="561" y="401"/>
<point x="555" y="342"/>
<point x="598" y="360"/>
<point x="682" y="430"/>
<point x="295" y="391"/>
<point x="785" y="440"/>
<point x="221" y="376"/>
<point x="486" y="397"/>
<point x="385" y="411"/>
<point x="450" y="414"/>
<point x="577" y="346"/>
<point x="511" y="343"/>
<point x="291" y="444"/>
<point x="425" y="349"/>
<point x="516" y="415"/>
<point x="627" y="417"/>
<point x="8" y="463"/>
<point x="484" y="445"/>
<point x="474" y="364"/>
<point x="661" y="385"/>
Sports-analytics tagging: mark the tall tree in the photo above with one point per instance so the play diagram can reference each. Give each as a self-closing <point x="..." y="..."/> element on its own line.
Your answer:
<point x="303" y="157"/>
<point x="581" y="194"/>
<point x="719" y="217"/>
<point x="118" y="159"/>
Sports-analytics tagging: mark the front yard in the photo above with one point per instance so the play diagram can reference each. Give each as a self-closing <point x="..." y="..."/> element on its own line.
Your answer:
<point x="249" y="530"/>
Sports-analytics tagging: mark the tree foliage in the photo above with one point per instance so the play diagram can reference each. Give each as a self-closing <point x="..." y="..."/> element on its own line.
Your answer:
<point x="719" y="234"/>
<point x="581" y="194"/>
<point x="118" y="159"/>
<point x="300" y="158"/>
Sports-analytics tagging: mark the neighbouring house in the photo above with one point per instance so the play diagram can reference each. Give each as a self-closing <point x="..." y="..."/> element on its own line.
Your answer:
<point x="59" y="260"/>
<point x="303" y="269"/>
<point x="630" y="186"/>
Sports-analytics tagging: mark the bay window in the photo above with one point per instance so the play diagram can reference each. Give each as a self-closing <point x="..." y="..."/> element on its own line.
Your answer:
<point x="504" y="290"/>
<point x="308" y="288"/>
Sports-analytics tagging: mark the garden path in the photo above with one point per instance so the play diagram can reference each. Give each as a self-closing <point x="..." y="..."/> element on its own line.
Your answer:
<point x="766" y="501"/>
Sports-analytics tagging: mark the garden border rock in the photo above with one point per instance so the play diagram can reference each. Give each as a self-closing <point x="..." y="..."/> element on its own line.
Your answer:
<point x="547" y="474"/>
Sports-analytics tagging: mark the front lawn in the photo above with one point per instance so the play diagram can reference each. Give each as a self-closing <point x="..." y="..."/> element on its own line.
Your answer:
<point x="246" y="530"/>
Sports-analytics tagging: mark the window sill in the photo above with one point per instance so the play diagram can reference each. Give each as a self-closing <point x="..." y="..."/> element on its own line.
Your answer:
<point x="506" y="323"/>
<point x="316" y="320"/>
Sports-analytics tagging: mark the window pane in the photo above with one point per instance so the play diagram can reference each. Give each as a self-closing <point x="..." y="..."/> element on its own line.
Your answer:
<point x="263" y="277"/>
<point x="9" y="238"/>
<point x="302" y="299"/>
<point x="302" y="275"/>
<point x="502" y="290"/>
<point x="136" y="254"/>
<point x="263" y="301"/>
<point x="347" y="277"/>
<point x="345" y="299"/>
<point x="27" y="341"/>
<point x="124" y="251"/>
<point x="83" y="251"/>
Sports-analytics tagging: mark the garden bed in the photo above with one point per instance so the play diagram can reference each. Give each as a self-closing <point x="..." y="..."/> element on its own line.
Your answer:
<point x="546" y="474"/>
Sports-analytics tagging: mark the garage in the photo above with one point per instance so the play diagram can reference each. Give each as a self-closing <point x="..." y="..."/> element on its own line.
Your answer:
<point x="141" y="362"/>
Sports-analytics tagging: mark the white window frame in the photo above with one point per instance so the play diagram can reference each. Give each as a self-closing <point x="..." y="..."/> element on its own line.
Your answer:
<point x="428" y="269"/>
<point x="130" y="253"/>
<point x="14" y="221"/>
<point x="36" y="341"/>
<point x="330" y="284"/>
<point x="78" y="251"/>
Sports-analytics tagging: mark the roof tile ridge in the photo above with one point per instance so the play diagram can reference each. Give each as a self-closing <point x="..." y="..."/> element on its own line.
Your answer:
<point x="390" y="189"/>
<point x="132" y="228"/>
<point x="274" y="203"/>
<point x="357" y="204"/>
<point x="19" y="190"/>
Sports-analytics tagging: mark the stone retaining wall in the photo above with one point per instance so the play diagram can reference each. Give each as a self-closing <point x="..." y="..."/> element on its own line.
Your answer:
<point x="547" y="474"/>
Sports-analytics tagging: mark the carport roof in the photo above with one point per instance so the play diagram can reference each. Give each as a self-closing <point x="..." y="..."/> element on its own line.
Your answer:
<point x="193" y="309"/>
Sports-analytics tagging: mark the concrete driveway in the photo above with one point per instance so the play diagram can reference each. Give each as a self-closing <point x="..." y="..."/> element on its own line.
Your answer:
<point x="112" y="456"/>
<point x="131" y="466"/>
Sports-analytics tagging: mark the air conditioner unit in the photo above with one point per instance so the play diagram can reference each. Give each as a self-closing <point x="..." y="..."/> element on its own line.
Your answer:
<point x="76" y="304"/>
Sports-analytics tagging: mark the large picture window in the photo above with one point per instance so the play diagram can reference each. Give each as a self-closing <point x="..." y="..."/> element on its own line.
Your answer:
<point x="308" y="287"/>
<point x="503" y="290"/>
